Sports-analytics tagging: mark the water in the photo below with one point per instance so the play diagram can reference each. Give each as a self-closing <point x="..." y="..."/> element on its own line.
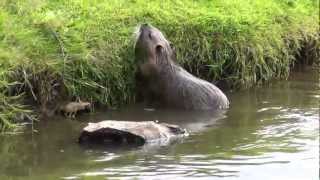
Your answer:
<point x="270" y="132"/>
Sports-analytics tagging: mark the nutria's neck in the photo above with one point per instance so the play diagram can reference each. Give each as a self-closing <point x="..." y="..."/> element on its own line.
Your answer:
<point x="168" y="71"/>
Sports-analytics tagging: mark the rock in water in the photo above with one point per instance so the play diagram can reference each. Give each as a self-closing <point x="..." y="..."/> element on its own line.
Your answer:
<point x="112" y="132"/>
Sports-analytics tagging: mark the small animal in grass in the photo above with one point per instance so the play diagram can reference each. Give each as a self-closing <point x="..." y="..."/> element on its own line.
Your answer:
<point x="70" y="109"/>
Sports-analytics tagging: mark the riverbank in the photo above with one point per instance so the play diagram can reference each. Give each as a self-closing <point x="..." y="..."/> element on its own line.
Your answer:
<point x="57" y="50"/>
<point x="268" y="133"/>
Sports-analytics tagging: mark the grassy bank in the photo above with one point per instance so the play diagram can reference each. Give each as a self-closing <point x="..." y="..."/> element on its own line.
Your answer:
<point x="54" y="50"/>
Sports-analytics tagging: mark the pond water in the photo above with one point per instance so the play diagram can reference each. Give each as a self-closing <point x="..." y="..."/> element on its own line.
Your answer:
<point x="270" y="132"/>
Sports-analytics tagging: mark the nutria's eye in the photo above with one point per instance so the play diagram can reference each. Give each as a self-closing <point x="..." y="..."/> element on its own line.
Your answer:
<point x="150" y="35"/>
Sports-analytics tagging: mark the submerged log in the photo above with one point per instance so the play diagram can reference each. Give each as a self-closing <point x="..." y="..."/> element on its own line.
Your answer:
<point x="112" y="132"/>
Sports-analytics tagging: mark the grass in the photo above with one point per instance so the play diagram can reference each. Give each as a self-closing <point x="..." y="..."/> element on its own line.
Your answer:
<point x="55" y="50"/>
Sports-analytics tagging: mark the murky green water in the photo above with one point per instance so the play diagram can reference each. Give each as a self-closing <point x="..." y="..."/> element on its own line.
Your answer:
<point x="268" y="133"/>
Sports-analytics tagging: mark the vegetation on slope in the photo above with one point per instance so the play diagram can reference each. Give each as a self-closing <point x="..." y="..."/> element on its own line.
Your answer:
<point x="54" y="50"/>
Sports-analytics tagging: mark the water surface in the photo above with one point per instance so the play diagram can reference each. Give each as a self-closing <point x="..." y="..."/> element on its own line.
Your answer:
<point x="270" y="132"/>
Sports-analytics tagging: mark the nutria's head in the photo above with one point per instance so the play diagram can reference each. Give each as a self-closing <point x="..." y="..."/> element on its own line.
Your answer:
<point x="84" y="105"/>
<point x="152" y="49"/>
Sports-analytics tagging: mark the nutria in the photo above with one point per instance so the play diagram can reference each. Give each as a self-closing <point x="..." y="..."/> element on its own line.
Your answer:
<point x="70" y="109"/>
<point x="167" y="83"/>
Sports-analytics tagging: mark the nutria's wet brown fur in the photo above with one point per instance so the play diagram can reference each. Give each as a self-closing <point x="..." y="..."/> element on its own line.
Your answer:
<point x="70" y="109"/>
<point x="164" y="81"/>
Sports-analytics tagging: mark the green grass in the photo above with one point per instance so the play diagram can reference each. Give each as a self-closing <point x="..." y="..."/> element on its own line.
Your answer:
<point x="84" y="48"/>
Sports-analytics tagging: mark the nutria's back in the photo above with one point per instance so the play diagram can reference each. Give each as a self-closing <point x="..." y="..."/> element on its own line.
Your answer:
<point x="183" y="90"/>
<point x="75" y="106"/>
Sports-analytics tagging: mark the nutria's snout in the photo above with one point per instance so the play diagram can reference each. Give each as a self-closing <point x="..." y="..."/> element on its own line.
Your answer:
<point x="140" y="30"/>
<point x="145" y="32"/>
<point x="145" y="26"/>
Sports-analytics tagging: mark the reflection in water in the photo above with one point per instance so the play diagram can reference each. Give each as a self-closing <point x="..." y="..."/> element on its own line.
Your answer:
<point x="268" y="133"/>
<point x="193" y="121"/>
